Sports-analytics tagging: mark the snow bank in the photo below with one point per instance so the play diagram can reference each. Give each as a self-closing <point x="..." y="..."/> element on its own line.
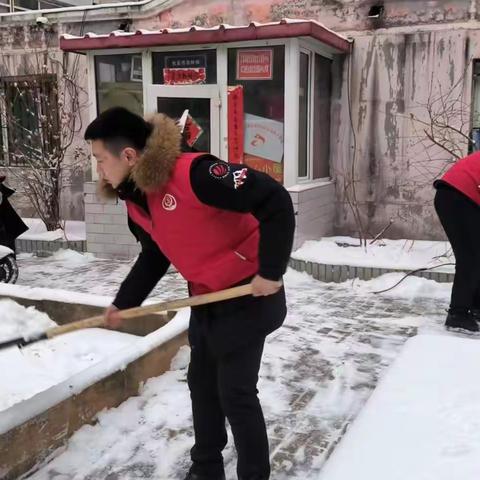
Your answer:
<point x="34" y="369"/>
<point x="74" y="230"/>
<point x="31" y="370"/>
<point x="35" y="293"/>
<point x="423" y="420"/>
<point x="410" y="288"/>
<point x="398" y="254"/>
<point x="71" y="257"/>
<point x="118" y="360"/>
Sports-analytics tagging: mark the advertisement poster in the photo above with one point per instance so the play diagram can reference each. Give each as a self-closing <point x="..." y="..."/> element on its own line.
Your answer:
<point x="255" y="64"/>
<point x="185" y="70"/>
<point x="263" y="138"/>
<point x="263" y="145"/>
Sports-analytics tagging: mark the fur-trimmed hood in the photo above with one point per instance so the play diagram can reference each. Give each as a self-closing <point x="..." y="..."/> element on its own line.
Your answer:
<point x="157" y="160"/>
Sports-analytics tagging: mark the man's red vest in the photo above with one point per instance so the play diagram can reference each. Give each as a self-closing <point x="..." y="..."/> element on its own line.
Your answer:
<point x="465" y="176"/>
<point x="212" y="248"/>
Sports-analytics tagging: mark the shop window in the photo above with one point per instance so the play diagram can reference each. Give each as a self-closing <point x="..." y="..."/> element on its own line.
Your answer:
<point x="261" y="72"/>
<point x="194" y="67"/>
<point x="29" y="118"/>
<point x="119" y="82"/>
<point x="314" y="116"/>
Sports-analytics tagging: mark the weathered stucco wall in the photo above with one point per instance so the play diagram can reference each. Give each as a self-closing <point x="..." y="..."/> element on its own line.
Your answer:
<point x="340" y="15"/>
<point x="395" y="76"/>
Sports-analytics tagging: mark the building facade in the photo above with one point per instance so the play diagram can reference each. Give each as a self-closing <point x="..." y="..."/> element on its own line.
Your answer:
<point x="357" y="131"/>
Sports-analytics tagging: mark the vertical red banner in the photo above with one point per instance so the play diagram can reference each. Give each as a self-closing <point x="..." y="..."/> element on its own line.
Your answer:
<point x="235" y="124"/>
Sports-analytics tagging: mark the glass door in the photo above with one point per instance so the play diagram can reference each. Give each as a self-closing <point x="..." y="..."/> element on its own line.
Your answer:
<point x="203" y="105"/>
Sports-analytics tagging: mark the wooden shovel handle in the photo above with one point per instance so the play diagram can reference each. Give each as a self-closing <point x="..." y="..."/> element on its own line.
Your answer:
<point x="99" y="320"/>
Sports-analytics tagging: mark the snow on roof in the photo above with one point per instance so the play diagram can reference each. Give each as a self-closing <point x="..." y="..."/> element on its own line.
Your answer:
<point x="221" y="33"/>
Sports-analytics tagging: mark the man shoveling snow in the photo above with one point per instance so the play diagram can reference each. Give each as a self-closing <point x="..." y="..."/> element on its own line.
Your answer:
<point x="221" y="225"/>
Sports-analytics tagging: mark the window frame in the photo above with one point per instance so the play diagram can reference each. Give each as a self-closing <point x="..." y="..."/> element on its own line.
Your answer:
<point x="5" y="154"/>
<point x="312" y="49"/>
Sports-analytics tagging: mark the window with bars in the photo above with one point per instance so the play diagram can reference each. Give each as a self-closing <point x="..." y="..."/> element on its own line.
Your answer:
<point x="29" y="119"/>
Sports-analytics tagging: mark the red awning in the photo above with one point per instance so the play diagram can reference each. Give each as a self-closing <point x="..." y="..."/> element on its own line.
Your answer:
<point x="197" y="35"/>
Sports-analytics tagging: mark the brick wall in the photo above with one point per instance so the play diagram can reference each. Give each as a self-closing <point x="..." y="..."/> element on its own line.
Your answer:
<point x="108" y="234"/>
<point x="315" y="210"/>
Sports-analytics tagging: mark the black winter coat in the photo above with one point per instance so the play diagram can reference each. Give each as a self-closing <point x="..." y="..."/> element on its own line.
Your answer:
<point x="11" y="224"/>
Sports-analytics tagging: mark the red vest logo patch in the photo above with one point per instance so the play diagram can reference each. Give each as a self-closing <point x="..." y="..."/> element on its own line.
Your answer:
<point x="169" y="203"/>
<point x="219" y="170"/>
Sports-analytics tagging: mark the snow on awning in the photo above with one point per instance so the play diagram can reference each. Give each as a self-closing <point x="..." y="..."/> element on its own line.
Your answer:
<point x="286" y="28"/>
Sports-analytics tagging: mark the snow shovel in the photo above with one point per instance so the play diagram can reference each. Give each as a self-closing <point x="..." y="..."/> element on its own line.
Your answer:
<point x="99" y="320"/>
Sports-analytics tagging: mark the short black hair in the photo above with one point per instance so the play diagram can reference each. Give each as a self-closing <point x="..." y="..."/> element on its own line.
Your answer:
<point x="119" y="128"/>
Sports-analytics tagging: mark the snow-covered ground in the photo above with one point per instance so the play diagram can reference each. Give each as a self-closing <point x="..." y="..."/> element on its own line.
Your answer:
<point x="398" y="254"/>
<point x="318" y="371"/>
<point x="423" y="420"/>
<point x="31" y="370"/>
<point x="73" y="230"/>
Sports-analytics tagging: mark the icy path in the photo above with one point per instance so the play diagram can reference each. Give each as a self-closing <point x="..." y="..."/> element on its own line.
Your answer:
<point x="318" y="371"/>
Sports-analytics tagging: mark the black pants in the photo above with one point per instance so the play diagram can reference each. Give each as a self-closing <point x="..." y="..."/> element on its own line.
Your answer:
<point x="227" y="341"/>
<point x="460" y="218"/>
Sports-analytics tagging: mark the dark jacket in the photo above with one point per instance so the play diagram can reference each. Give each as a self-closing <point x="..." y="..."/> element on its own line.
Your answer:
<point x="11" y="225"/>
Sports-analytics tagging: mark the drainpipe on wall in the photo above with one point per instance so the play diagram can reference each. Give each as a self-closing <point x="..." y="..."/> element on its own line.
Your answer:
<point x="473" y="9"/>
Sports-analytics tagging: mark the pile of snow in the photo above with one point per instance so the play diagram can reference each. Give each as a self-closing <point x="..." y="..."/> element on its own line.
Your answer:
<point x="18" y="321"/>
<point x="71" y="257"/>
<point x="73" y="230"/>
<point x="423" y="420"/>
<point x="410" y="288"/>
<point x="102" y="351"/>
<point x="37" y="367"/>
<point x="399" y="254"/>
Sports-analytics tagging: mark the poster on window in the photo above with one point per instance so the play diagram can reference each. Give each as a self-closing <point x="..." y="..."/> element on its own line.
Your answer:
<point x="185" y="70"/>
<point x="255" y="64"/>
<point x="263" y="138"/>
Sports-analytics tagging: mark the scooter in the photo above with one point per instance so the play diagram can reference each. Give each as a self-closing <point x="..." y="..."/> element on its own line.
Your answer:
<point x="11" y="227"/>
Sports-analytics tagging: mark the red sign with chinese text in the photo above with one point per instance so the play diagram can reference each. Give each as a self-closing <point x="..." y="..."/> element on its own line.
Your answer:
<point x="255" y="64"/>
<point x="185" y="70"/>
<point x="184" y="76"/>
<point x="235" y="124"/>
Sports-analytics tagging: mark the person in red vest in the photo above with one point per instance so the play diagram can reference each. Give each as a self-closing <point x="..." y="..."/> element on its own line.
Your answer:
<point x="457" y="202"/>
<point x="220" y="225"/>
